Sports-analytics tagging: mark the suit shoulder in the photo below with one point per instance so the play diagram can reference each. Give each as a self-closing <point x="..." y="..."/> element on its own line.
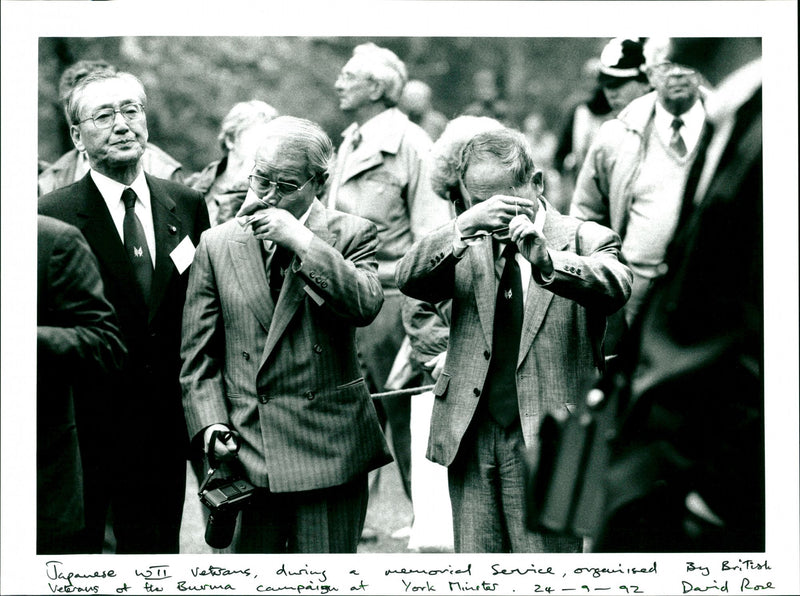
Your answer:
<point x="417" y="138"/>
<point x="60" y="202"/>
<point x="175" y="190"/>
<point x="55" y="227"/>
<point x="339" y="219"/>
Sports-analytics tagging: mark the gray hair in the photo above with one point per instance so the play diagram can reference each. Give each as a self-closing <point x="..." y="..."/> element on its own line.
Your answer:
<point x="73" y="104"/>
<point x="384" y="66"/>
<point x="445" y="155"/>
<point x="242" y="116"/>
<point x="508" y="146"/>
<point x="306" y="139"/>
<point x="77" y="72"/>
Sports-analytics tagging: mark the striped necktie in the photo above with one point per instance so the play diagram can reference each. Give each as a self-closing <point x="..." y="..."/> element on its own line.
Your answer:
<point x="677" y="143"/>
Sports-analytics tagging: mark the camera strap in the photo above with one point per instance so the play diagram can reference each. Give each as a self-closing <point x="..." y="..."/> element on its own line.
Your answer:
<point x="213" y="461"/>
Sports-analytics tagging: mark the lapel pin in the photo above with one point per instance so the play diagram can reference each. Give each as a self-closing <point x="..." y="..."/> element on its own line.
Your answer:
<point x="172" y="229"/>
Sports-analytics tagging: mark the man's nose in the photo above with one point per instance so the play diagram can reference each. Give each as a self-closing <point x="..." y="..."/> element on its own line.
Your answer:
<point x="120" y="123"/>
<point x="271" y="196"/>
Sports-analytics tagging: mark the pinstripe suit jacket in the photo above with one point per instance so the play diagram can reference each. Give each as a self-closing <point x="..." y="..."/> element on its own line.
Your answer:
<point x="555" y="355"/>
<point x="285" y="374"/>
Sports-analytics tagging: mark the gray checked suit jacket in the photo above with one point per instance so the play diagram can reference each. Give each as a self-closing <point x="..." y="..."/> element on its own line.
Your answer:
<point x="555" y="356"/>
<point x="285" y="375"/>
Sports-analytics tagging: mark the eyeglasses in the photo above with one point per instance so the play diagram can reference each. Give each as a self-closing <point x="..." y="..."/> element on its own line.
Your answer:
<point x="664" y="69"/>
<point x="261" y="186"/>
<point x="104" y="117"/>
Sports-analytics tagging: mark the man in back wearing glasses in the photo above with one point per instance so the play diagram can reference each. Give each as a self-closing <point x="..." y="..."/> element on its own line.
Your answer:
<point x="143" y="231"/>
<point x="274" y="300"/>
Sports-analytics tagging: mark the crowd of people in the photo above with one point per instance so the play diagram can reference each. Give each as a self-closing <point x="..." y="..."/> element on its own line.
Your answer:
<point x="300" y="314"/>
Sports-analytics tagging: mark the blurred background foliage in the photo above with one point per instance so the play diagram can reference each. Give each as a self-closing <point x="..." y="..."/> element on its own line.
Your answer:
<point x="192" y="82"/>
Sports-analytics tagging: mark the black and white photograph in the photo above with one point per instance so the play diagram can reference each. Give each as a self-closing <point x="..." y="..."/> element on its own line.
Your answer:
<point x="393" y="297"/>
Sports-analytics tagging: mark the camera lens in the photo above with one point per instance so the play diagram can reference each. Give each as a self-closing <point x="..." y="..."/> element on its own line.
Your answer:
<point x="219" y="529"/>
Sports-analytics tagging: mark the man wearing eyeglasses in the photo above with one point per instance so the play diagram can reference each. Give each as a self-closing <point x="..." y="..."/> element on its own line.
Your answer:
<point x="143" y="231"/>
<point x="635" y="171"/>
<point x="275" y="297"/>
<point x="523" y="280"/>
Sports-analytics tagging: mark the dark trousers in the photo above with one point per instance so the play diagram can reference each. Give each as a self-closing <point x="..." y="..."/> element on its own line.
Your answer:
<point x="327" y="520"/>
<point x="144" y="490"/>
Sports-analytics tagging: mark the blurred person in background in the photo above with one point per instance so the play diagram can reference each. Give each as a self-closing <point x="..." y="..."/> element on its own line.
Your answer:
<point x="415" y="102"/>
<point x="622" y="72"/>
<point x="379" y="175"/>
<point x="488" y="98"/>
<point x="687" y="466"/>
<point x="633" y="177"/>
<point x="77" y="340"/>
<point x="275" y="296"/>
<point x="543" y="144"/>
<point x="224" y="182"/>
<point x="587" y="109"/>
<point x="73" y="165"/>
<point x="143" y="230"/>
<point x="519" y="343"/>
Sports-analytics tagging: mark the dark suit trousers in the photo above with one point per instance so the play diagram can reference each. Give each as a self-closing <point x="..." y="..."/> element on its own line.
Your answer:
<point x="327" y="520"/>
<point x="378" y="345"/>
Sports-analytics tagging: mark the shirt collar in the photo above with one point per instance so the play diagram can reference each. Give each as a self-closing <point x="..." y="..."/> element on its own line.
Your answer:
<point x="383" y="131"/>
<point x="692" y="118"/>
<point x="112" y="190"/>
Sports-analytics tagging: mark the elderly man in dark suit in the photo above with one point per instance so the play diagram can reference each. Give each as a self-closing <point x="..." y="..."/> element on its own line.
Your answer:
<point x="76" y="337"/>
<point x="523" y="279"/>
<point x="142" y="230"/>
<point x="275" y="297"/>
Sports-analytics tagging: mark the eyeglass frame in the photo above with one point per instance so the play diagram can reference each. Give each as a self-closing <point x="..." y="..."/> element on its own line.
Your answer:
<point x="274" y="184"/>
<point x="115" y="111"/>
<point x="671" y="69"/>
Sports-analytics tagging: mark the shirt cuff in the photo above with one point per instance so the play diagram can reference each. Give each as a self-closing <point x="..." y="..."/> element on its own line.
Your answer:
<point x="459" y="246"/>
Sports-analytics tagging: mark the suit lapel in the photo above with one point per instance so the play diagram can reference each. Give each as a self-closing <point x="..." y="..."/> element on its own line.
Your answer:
<point x="168" y="234"/>
<point x="539" y="298"/>
<point x="98" y="228"/>
<point x="484" y="284"/>
<point x="249" y="268"/>
<point x="292" y="294"/>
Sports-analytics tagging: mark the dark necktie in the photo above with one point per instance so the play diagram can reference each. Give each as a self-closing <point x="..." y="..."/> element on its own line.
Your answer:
<point x="277" y="266"/>
<point x="677" y="143"/>
<point x="136" y="245"/>
<point x="501" y="381"/>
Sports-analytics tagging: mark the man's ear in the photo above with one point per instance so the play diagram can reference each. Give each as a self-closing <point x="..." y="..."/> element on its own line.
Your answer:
<point x="537" y="180"/>
<point x="75" y="135"/>
<point x="377" y="90"/>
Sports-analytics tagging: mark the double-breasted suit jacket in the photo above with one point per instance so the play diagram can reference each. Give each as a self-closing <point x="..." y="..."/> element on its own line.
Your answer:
<point x="285" y="374"/>
<point x="556" y="349"/>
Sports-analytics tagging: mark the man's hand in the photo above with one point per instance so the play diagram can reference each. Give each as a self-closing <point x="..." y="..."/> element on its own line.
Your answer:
<point x="436" y="364"/>
<point x="222" y="449"/>
<point x="493" y="213"/>
<point x="281" y="227"/>
<point x="532" y="245"/>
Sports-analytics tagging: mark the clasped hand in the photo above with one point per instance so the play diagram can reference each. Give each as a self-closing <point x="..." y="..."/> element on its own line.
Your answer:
<point x="493" y="214"/>
<point x="531" y="244"/>
<point x="279" y="226"/>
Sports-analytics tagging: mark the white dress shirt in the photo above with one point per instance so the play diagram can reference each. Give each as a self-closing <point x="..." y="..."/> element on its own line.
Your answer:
<point x="693" y="120"/>
<point x="112" y="195"/>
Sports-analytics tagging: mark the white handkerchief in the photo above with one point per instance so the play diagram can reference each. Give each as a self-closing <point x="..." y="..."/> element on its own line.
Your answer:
<point x="183" y="254"/>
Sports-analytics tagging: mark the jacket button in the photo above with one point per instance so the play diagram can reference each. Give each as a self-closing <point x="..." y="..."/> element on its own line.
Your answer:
<point x="324" y="284"/>
<point x="578" y="271"/>
<point x="318" y="348"/>
<point x="477" y="392"/>
<point x="486" y="354"/>
<point x="263" y="398"/>
<point x="309" y="395"/>
<point x="245" y="355"/>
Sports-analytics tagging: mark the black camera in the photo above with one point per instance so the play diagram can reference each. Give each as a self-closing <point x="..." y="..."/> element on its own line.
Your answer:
<point x="224" y="497"/>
